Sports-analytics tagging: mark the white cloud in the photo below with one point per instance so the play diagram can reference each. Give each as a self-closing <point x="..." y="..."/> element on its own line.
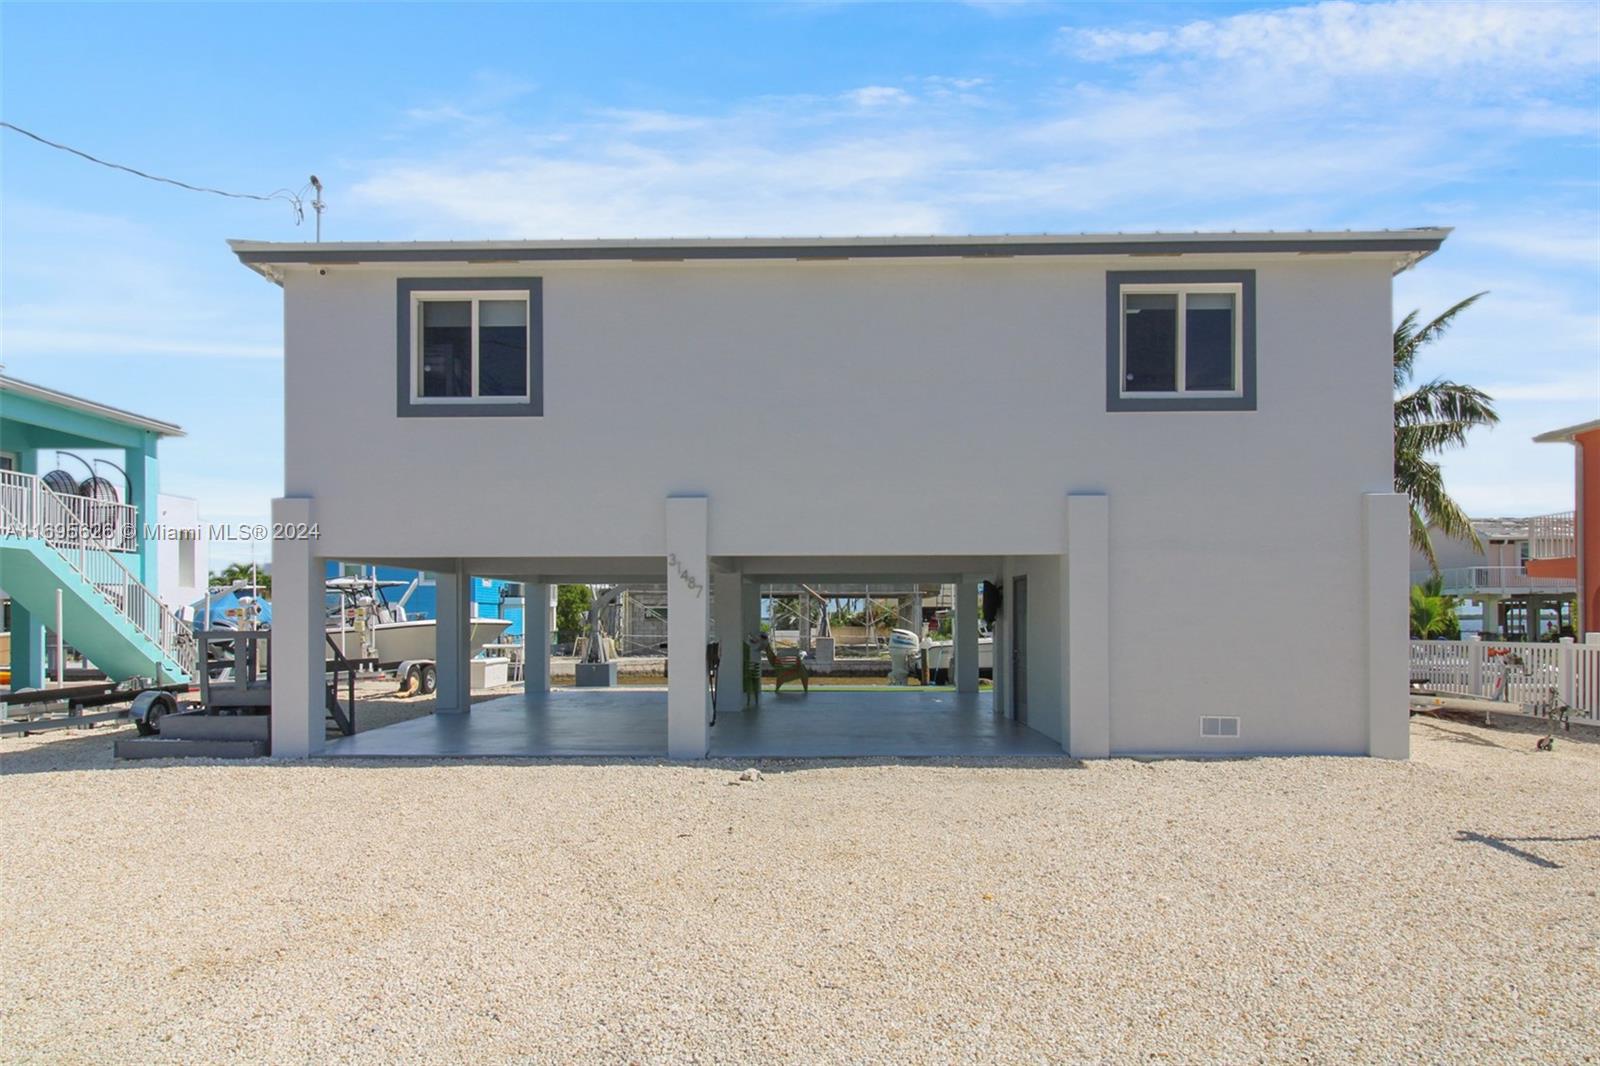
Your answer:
<point x="1574" y="240"/>
<point x="941" y="82"/>
<point x="479" y="104"/>
<point x="878" y="96"/>
<point x="1575" y="387"/>
<point x="39" y="338"/>
<point x="439" y="114"/>
<point x="652" y="121"/>
<point x="1220" y="136"/>
<point x="83" y="283"/>
<point x="1386" y="39"/>
<point x="799" y="165"/>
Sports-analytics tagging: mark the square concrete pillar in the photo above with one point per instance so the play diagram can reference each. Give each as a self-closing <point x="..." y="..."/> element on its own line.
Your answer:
<point x="688" y="622"/>
<point x="1002" y="646"/>
<point x="750" y="613"/>
<point x="538" y="621"/>
<point x="144" y="492"/>
<point x="1086" y="586"/>
<point x="298" y="645"/>
<point x="453" y="603"/>
<point x="727" y="604"/>
<point x="966" y="634"/>
<point x="28" y="643"/>
<point x="1386" y="518"/>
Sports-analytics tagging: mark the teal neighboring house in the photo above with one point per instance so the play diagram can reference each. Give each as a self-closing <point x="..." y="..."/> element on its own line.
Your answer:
<point x="88" y="533"/>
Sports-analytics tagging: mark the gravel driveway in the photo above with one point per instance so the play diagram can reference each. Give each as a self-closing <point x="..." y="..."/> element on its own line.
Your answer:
<point x="1299" y="910"/>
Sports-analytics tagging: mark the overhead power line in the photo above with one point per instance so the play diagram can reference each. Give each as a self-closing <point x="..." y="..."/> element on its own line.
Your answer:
<point x="293" y="199"/>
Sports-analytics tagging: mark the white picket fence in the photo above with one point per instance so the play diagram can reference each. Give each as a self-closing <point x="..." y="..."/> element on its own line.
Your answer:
<point x="1534" y="675"/>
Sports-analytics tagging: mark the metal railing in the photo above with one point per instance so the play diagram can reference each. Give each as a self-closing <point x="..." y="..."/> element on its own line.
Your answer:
<point x="1460" y="580"/>
<point x="1553" y="536"/>
<point x="30" y="509"/>
<point x="109" y="523"/>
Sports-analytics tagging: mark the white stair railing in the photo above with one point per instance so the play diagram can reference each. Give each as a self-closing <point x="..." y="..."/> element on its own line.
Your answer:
<point x="29" y="508"/>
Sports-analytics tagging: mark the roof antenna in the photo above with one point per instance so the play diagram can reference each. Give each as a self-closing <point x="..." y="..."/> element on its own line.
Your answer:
<point x="317" y="205"/>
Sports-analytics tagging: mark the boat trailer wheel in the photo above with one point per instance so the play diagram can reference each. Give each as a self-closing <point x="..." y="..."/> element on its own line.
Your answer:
<point x="148" y="707"/>
<point x="422" y="679"/>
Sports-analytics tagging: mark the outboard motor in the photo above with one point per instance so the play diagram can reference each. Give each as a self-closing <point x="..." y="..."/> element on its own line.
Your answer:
<point x="904" y="646"/>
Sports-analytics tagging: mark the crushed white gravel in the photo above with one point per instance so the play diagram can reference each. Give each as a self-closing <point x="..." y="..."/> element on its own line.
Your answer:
<point x="1282" y="910"/>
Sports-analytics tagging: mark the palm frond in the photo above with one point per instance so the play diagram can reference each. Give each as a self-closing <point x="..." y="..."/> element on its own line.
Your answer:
<point x="1409" y="338"/>
<point x="1429" y="419"/>
<point x="1423" y="482"/>
<point x="1421" y="539"/>
<point x="1405" y="352"/>
<point x="1446" y="401"/>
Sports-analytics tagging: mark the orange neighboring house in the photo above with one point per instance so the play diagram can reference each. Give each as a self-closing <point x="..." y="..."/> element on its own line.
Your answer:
<point x="1568" y="544"/>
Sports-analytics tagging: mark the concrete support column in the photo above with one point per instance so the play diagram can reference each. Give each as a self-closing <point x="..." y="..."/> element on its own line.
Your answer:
<point x="453" y="604"/>
<point x="966" y="634"/>
<point x="298" y="645"/>
<point x="688" y="618"/>
<point x="750" y="614"/>
<point x="537" y="623"/>
<point x="1002" y="646"/>
<point x="1385" y="519"/>
<point x="28" y="642"/>
<point x="1490" y="606"/>
<point x="727" y="603"/>
<point x="28" y="639"/>
<point x="802" y="623"/>
<point x="1086" y="606"/>
<point x="144" y="484"/>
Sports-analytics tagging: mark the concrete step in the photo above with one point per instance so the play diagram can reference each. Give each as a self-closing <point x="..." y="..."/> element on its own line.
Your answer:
<point x="161" y="748"/>
<point x="196" y="726"/>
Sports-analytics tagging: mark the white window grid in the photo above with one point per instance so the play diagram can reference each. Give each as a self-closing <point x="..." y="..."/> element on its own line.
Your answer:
<point x="1182" y="292"/>
<point x="475" y="298"/>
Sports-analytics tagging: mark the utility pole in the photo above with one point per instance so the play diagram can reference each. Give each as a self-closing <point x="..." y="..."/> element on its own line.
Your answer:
<point x="317" y="204"/>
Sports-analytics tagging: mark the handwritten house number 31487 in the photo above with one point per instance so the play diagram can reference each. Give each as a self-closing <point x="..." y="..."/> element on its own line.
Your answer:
<point x="683" y="572"/>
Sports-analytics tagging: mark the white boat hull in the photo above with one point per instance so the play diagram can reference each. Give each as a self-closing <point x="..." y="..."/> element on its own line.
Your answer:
<point x="396" y="642"/>
<point x="939" y="653"/>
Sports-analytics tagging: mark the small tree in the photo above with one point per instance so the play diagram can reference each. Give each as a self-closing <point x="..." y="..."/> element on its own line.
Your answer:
<point x="234" y="573"/>
<point x="1433" y="614"/>
<point x="572" y="611"/>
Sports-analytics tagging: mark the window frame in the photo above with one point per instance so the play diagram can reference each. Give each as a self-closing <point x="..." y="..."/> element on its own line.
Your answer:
<point x="1182" y="293"/>
<point x="1181" y="283"/>
<point x="474" y="300"/>
<point x="413" y="293"/>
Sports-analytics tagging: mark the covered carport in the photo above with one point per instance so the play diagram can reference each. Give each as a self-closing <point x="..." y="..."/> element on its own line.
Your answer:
<point x="709" y="599"/>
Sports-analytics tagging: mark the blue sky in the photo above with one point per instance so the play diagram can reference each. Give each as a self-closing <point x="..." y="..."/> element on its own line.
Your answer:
<point x="553" y="121"/>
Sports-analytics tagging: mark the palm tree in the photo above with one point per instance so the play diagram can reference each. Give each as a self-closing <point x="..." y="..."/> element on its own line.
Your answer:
<point x="234" y="573"/>
<point x="1433" y="614"/>
<point x="1428" y="419"/>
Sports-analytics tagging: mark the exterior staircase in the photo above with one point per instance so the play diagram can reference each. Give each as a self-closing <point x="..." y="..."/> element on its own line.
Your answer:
<point x="49" y="541"/>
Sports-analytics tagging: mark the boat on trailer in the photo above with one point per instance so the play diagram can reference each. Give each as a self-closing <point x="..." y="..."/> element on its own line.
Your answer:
<point x="937" y="656"/>
<point x="365" y="625"/>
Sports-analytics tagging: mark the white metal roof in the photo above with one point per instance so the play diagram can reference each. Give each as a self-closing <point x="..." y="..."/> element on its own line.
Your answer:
<point x="1406" y="246"/>
<point x="99" y="410"/>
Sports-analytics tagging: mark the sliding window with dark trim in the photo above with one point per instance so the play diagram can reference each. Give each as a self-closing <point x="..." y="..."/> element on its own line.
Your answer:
<point x="1181" y="340"/>
<point x="469" y="347"/>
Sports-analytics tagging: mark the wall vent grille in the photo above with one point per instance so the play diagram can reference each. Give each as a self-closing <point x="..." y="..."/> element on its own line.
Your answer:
<point x="1219" y="726"/>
